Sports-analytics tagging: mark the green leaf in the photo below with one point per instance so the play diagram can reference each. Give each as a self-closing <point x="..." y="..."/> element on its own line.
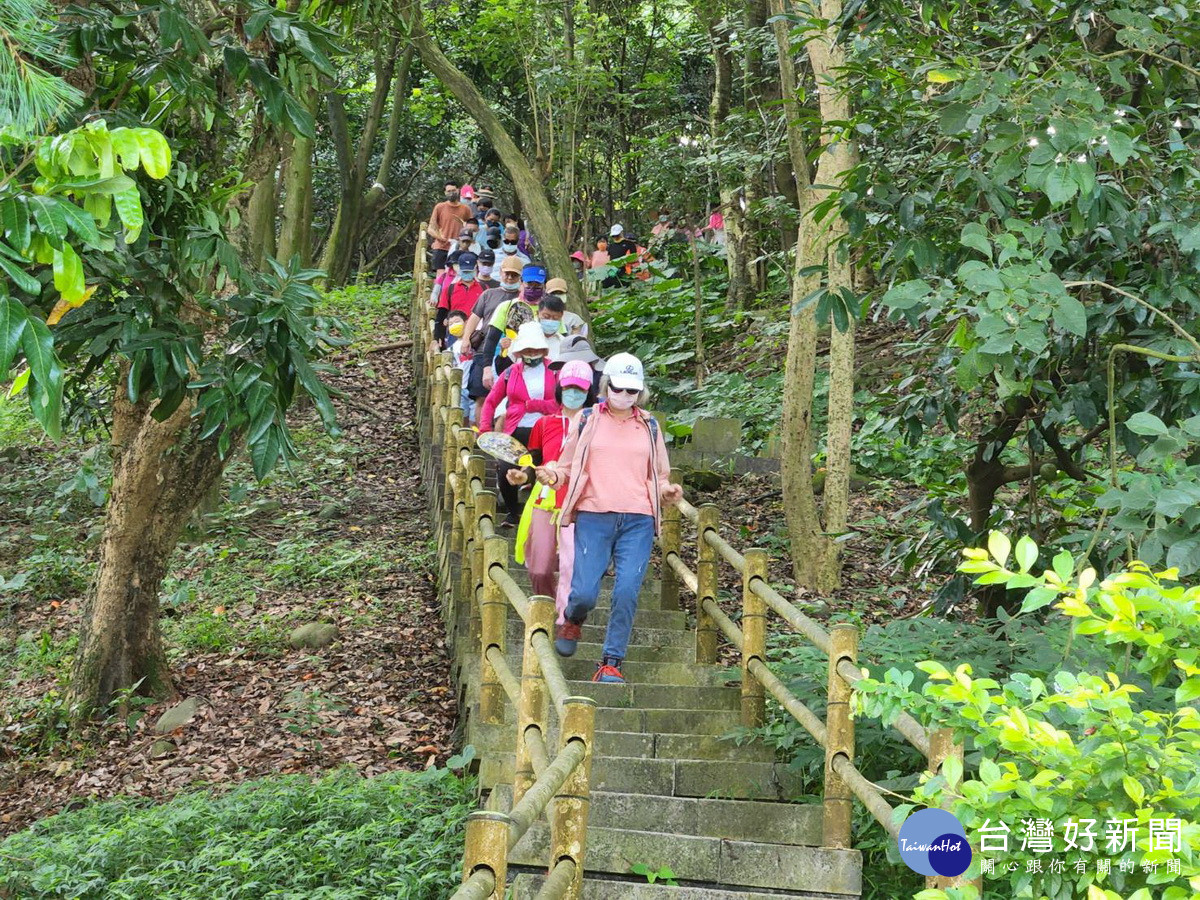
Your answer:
<point x="127" y="147"/>
<point x="154" y="151"/>
<point x="1059" y="185"/>
<point x="21" y="279"/>
<point x="14" y="220"/>
<point x="1146" y="423"/>
<point x="1188" y="691"/>
<point x="999" y="546"/>
<point x="953" y="119"/>
<point x="952" y="771"/>
<point x="1120" y="146"/>
<point x="264" y="453"/>
<point x="13" y="318"/>
<point x="49" y="218"/>
<point x="1064" y="564"/>
<point x="1025" y="553"/>
<point x="1134" y="789"/>
<point x="1038" y="598"/>
<point x="975" y="236"/>
<point x="907" y="294"/>
<point x="68" y="274"/>
<point x="129" y="208"/>
<point x="989" y="772"/>
<point x="1071" y="316"/>
<point x="315" y="389"/>
<point x="46" y="384"/>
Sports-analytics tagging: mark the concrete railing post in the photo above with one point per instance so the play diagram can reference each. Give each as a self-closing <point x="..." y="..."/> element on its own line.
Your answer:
<point x="754" y="639"/>
<point x="707" y="518"/>
<point x="487" y="848"/>
<point x="568" y="829"/>
<point x="493" y="615"/>
<point x="839" y="738"/>
<point x="534" y="712"/>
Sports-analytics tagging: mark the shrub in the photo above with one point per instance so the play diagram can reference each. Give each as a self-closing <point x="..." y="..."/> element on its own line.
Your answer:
<point x="341" y="838"/>
<point x="1073" y="747"/>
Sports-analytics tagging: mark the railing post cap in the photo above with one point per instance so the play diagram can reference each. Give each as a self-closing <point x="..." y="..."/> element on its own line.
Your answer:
<point x="487" y="815"/>
<point x="579" y="701"/>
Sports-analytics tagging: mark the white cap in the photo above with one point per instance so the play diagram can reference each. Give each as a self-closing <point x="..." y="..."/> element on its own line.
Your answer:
<point x="530" y="337"/>
<point x="624" y="370"/>
<point x="616" y="230"/>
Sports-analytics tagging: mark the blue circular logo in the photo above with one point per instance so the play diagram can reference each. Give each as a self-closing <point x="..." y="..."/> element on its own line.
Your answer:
<point x="933" y="842"/>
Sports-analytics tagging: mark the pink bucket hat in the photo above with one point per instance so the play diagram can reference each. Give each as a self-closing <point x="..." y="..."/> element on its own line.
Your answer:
<point x="576" y="373"/>
<point x="467" y="192"/>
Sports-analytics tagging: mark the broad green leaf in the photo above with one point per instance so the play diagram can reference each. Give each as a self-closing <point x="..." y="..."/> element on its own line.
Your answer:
<point x="20" y="278"/>
<point x="68" y="274"/>
<point x="49" y="218"/>
<point x="19" y="383"/>
<point x="1188" y="691"/>
<point x="1134" y="789"/>
<point x="129" y="208"/>
<point x="989" y="772"/>
<point x="1146" y="423"/>
<point x="1025" y="553"/>
<point x="1071" y="316"/>
<point x="155" y="152"/>
<point x="1064" y="564"/>
<point x="1120" y="146"/>
<point x="1059" y="185"/>
<point x="975" y="236"/>
<point x="13" y="319"/>
<point x="127" y="147"/>
<point x="46" y="384"/>
<point x="999" y="546"/>
<point x="906" y="294"/>
<point x="1038" y="598"/>
<point x="14" y="220"/>
<point x="952" y="771"/>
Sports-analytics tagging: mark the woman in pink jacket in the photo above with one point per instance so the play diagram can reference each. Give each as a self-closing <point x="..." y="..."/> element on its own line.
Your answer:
<point x="528" y="389"/>
<point x="614" y="477"/>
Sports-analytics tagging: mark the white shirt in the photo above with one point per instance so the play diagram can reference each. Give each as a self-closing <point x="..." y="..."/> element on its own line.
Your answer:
<point x="535" y="385"/>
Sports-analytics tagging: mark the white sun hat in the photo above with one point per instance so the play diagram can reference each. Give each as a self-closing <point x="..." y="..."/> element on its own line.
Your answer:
<point x="616" y="230"/>
<point x="529" y="337"/>
<point x="624" y="370"/>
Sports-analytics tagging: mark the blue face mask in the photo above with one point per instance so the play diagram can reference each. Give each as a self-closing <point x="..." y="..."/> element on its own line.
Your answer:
<point x="573" y="398"/>
<point x="549" y="326"/>
<point x="466" y="276"/>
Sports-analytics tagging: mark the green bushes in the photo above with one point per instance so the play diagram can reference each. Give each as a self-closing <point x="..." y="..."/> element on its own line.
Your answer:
<point x="341" y="838"/>
<point x="1073" y="746"/>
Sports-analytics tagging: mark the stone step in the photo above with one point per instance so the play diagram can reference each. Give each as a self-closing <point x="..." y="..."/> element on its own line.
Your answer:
<point x="526" y="885"/>
<point x="707" y="859"/>
<point x="502" y="739"/>
<point x="736" y="820"/>
<point x="633" y="694"/>
<point x="645" y="617"/>
<point x="642" y="637"/>
<point x="638" y="672"/>
<point x="649" y="597"/>
<point x="670" y="777"/>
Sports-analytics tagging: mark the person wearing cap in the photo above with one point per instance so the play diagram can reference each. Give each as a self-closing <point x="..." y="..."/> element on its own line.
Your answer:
<point x="484" y="268"/>
<point x="546" y="551"/>
<point x="509" y="245"/>
<point x="576" y="347"/>
<point x="460" y="294"/>
<point x="528" y="387"/>
<point x="445" y="223"/>
<point x="619" y="245"/>
<point x="468" y="199"/>
<point x="510" y="316"/>
<point x="615" y="477"/>
<point x="475" y="331"/>
<point x="580" y="263"/>
<point x="572" y="323"/>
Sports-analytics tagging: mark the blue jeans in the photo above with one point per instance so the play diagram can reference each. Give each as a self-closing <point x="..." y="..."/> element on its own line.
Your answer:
<point x="626" y="539"/>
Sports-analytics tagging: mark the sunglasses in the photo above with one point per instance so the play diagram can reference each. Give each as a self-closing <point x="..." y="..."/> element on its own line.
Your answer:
<point x="617" y="390"/>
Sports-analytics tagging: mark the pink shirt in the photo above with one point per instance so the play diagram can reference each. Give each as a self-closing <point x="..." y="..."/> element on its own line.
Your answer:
<point x="609" y="467"/>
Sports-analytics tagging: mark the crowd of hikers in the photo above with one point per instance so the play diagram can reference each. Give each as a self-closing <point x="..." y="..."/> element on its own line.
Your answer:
<point x="593" y="497"/>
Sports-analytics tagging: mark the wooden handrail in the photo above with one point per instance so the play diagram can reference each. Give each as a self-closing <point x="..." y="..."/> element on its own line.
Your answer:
<point x="686" y="575"/>
<point x="512" y="590"/>
<point x="558" y="881"/>
<point x="732" y="633"/>
<point x="800" y="712"/>
<point x="725" y="549"/>
<point x="556" y="682"/>
<point x="480" y="886"/>
<point x="868" y="794"/>
<point x="816" y="635"/>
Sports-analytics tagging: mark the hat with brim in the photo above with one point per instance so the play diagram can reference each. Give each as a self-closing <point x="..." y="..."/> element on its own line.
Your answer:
<point x="487" y="256"/>
<point x="617" y="230"/>
<point x="512" y="264"/>
<point x="624" y="370"/>
<point x="575" y="348"/>
<point x="576" y="373"/>
<point x="529" y="337"/>
<point x="532" y="273"/>
<point x="468" y="192"/>
<point x="556" y="286"/>
<point x="467" y="260"/>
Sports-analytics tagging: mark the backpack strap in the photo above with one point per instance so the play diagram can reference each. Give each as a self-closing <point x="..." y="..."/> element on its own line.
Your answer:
<point x="583" y="419"/>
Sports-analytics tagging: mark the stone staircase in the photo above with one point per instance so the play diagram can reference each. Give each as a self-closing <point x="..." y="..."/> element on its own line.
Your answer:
<point x="669" y="788"/>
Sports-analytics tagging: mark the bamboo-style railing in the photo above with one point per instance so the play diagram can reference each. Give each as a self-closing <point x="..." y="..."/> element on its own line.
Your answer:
<point x="454" y="477"/>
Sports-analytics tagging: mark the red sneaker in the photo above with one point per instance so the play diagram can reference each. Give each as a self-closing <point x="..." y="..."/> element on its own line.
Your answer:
<point x="608" y="674"/>
<point x="566" y="637"/>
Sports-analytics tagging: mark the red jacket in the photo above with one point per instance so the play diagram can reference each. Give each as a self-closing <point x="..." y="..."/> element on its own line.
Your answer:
<point x="511" y="385"/>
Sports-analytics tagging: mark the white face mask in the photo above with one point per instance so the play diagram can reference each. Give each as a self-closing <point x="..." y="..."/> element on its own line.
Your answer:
<point x="619" y="400"/>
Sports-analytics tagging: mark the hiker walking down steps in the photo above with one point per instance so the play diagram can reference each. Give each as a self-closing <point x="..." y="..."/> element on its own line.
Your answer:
<point x="544" y="546"/>
<point x="614" y="477"/>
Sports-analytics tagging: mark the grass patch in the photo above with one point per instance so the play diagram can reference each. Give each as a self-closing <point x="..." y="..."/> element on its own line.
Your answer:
<point x="341" y="838"/>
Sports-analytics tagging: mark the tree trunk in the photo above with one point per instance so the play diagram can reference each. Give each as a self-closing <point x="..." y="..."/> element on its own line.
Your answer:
<point x="815" y="554"/>
<point x="529" y="189"/>
<point x="295" y="228"/>
<point x="261" y="213"/>
<point x="160" y="472"/>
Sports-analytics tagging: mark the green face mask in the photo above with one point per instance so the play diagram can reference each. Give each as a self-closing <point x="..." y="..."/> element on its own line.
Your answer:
<point x="574" y="398"/>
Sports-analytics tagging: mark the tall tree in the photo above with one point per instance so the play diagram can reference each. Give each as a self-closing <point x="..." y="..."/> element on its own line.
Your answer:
<point x="526" y="182"/>
<point x="820" y="249"/>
